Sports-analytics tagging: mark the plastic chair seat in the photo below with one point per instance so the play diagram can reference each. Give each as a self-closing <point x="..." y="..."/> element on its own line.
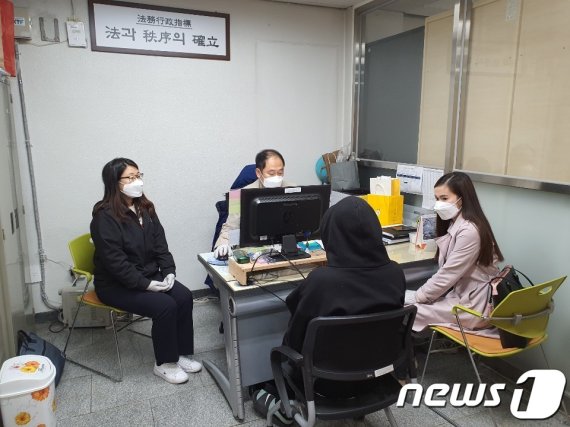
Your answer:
<point x="91" y="298"/>
<point x="486" y="346"/>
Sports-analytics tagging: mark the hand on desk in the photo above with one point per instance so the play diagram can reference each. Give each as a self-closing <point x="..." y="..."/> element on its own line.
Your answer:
<point x="222" y="252"/>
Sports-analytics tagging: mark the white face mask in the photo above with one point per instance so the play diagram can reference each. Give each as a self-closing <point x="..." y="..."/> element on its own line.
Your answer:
<point x="272" y="181"/>
<point x="133" y="189"/>
<point x="446" y="210"/>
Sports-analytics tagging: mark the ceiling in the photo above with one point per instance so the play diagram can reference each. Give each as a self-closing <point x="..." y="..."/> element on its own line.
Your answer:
<point x="339" y="4"/>
<point x="414" y="7"/>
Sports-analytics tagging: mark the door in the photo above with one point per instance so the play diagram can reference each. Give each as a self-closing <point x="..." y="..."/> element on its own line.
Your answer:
<point x="15" y="300"/>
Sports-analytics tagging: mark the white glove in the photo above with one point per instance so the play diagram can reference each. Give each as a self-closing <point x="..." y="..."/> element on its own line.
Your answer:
<point x="410" y="297"/>
<point x="156" y="286"/>
<point x="169" y="281"/>
<point x="223" y="251"/>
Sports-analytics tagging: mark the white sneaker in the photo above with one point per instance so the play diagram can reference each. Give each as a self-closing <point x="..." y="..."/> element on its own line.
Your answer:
<point x="171" y="372"/>
<point x="189" y="365"/>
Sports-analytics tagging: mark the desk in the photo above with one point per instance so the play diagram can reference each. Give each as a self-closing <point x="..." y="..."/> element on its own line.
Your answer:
<point x="255" y="319"/>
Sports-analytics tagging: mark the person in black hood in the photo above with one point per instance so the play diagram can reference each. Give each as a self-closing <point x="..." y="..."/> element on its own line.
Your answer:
<point x="359" y="278"/>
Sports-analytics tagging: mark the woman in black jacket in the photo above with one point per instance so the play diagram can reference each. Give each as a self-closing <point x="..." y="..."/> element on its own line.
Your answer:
<point x="135" y="271"/>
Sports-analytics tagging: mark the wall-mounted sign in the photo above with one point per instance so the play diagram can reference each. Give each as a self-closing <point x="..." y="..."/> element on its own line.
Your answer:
<point x="143" y="29"/>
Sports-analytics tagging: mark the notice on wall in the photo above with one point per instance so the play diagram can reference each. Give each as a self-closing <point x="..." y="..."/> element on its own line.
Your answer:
<point x="429" y="179"/>
<point x="410" y="178"/>
<point x="134" y="28"/>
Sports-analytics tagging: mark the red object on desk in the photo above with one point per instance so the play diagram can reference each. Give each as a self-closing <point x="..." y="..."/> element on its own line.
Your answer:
<point x="7" y="26"/>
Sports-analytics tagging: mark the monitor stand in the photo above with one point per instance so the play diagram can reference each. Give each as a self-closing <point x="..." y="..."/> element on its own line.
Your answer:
<point x="289" y="250"/>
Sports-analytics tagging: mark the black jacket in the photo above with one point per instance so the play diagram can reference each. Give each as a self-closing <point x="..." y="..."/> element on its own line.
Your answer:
<point x="359" y="277"/>
<point x="128" y="254"/>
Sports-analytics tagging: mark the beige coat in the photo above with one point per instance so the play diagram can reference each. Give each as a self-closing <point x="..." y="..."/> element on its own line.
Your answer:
<point x="459" y="280"/>
<point x="232" y="223"/>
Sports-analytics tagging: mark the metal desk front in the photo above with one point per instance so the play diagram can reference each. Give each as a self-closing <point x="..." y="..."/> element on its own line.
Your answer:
<point x="255" y="319"/>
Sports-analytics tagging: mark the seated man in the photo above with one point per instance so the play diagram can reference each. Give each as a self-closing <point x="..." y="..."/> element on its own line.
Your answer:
<point x="269" y="168"/>
<point x="359" y="278"/>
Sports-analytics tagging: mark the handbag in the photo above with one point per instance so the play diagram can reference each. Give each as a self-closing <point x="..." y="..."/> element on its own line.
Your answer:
<point x="30" y="343"/>
<point x="344" y="176"/>
<point x="501" y="285"/>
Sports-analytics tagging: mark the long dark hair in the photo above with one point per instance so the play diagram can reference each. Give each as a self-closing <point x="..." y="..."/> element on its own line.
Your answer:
<point x="461" y="185"/>
<point x="113" y="198"/>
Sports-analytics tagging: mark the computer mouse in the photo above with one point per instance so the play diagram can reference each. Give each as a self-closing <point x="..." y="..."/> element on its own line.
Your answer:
<point x="223" y="257"/>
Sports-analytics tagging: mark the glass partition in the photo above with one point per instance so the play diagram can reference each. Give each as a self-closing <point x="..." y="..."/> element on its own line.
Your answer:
<point x="395" y="81"/>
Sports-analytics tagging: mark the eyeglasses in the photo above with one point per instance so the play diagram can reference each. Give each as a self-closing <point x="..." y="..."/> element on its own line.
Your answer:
<point x="132" y="178"/>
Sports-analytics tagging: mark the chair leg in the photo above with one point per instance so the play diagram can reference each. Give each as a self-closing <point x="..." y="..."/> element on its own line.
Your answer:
<point x="113" y="315"/>
<point x="138" y="319"/>
<point x="470" y="354"/>
<point x="390" y="417"/>
<point x="548" y="367"/>
<point x="427" y="356"/>
<point x="96" y="371"/>
<point x="79" y="305"/>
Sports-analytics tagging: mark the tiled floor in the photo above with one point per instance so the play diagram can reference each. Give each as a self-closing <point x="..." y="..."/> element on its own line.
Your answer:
<point x="142" y="399"/>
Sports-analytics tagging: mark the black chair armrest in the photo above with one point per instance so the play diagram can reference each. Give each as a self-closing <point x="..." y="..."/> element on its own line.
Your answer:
<point x="289" y="353"/>
<point x="278" y="356"/>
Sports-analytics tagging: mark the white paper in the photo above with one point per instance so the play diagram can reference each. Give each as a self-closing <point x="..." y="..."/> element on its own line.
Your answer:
<point x="430" y="177"/>
<point x="337" y="196"/>
<point x="410" y="178"/>
<point x="381" y="185"/>
<point x="410" y="297"/>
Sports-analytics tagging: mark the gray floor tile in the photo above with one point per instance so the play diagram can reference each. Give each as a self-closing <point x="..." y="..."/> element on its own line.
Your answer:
<point x="198" y="407"/>
<point x="72" y="370"/>
<point x="138" y="384"/>
<point x="216" y="356"/>
<point x="80" y="337"/>
<point x="102" y="354"/>
<point x="73" y="397"/>
<point x="207" y="318"/>
<point x="86" y="399"/>
<point x="133" y="414"/>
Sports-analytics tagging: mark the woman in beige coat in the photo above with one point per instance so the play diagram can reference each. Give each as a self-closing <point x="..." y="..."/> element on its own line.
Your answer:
<point x="467" y="253"/>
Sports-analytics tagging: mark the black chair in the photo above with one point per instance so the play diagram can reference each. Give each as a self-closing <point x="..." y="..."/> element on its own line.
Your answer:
<point x="358" y="352"/>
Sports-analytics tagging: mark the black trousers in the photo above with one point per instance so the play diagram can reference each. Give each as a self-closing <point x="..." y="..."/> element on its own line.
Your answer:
<point x="171" y="314"/>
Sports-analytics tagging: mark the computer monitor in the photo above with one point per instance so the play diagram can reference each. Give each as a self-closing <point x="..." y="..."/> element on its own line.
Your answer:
<point x="283" y="215"/>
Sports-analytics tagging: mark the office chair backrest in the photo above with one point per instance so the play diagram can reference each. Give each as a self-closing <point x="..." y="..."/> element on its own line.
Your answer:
<point x="527" y="302"/>
<point x="82" y="250"/>
<point x="352" y="348"/>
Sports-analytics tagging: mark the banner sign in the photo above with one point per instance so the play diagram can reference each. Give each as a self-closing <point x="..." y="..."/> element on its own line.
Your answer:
<point x="143" y="29"/>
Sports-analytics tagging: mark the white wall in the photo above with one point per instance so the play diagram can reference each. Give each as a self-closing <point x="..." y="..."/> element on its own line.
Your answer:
<point x="190" y="124"/>
<point x="533" y="232"/>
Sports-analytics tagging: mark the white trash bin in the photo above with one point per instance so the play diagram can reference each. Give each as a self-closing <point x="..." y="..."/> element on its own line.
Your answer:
<point x="27" y="391"/>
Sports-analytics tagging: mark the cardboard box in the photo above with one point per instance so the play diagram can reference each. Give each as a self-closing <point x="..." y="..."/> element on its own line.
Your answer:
<point x="389" y="209"/>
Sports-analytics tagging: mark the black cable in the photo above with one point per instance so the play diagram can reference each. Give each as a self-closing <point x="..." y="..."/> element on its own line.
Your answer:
<point x="253" y="279"/>
<point x="289" y="261"/>
<point x="58" y="320"/>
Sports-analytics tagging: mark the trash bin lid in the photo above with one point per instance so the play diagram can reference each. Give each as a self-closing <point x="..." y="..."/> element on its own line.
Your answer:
<point x="25" y="374"/>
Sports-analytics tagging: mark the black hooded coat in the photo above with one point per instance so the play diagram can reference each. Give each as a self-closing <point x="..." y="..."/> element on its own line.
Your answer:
<point x="359" y="277"/>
